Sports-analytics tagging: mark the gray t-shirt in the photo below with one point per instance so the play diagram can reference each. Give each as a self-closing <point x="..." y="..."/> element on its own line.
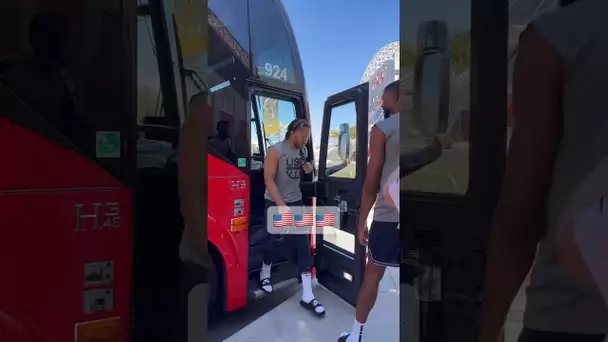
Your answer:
<point x="383" y="211"/>
<point x="555" y="301"/>
<point x="289" y="169"/>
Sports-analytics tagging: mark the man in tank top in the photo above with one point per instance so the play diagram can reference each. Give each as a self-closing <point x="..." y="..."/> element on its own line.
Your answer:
<point x="382" y="240"/>
<point x="284" y="163"/>
<point x="560" y="135"/>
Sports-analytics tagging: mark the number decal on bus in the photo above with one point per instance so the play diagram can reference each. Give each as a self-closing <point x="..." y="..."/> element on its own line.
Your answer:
<point x="275" y="71"/>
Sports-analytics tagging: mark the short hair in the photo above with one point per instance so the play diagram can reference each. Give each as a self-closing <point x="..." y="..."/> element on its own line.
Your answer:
<point x="222" y="122"/>
<point x="393" y="87"/>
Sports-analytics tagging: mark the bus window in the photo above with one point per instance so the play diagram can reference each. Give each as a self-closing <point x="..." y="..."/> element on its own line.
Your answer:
<point x="343" y="125"/>
<point x="149" y="95"/>
<point x="204" y="66"/>
<point x="275" y="116"/>
<point x="228" y="122"/>
<point x="271" y="47"/>
<point x="450" y="173"/>
<point x="341" y="163"/>
<point x="65" y="69"/>
<point x="233" y="14"/>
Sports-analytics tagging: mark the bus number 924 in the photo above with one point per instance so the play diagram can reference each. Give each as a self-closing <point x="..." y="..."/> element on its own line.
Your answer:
<point x="274" y="71"/>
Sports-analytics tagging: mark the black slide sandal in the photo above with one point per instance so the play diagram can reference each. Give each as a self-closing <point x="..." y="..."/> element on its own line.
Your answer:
<point x="312" y="305"/>
<point x="266" y="282"/>
<point x="345" y="336"/>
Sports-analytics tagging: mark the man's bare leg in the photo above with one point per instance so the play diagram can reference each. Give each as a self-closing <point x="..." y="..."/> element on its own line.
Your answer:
<point x="369" y="291"/>
<point x="365" y="300"/>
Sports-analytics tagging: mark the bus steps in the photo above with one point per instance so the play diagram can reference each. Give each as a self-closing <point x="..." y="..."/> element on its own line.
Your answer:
<point x="284" y="275"/>
<point x="258" y="293"/>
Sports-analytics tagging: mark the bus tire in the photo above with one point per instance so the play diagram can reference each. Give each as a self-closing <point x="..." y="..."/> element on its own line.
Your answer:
<point x="216" y="283"/>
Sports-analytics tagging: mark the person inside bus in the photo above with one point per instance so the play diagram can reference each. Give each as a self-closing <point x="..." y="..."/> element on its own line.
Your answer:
<point x="559" y="136"/>
<point x="383" y="238"/>
<point x="43" y="82"/>
<point x="222" y="140"/>
<point x="282" y="170"/>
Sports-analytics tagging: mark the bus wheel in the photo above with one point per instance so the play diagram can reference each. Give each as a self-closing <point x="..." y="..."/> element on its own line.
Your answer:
<point x="215" y="281"/>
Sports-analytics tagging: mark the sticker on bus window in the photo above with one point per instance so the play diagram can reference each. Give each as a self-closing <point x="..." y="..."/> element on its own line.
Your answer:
<point x="242" y="162"/>
<point x="107" y="144"/>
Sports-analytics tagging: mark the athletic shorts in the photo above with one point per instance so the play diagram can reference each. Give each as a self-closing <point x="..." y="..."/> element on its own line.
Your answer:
<point x="383" y="243"/>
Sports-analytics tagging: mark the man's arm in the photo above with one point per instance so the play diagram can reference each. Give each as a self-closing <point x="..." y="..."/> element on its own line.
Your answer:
<point x="193" y="171"/>
<point x="371" y="184"/>
<point x="270" y="169"/>
<point x="519" y="220"/>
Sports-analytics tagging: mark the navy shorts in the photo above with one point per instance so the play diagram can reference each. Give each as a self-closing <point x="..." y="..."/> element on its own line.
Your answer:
<point x="383" y="243"/>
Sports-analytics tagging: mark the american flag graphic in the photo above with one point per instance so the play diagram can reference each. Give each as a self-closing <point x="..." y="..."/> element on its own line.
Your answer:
<point x="326" y="220"/>
<point x="303" y="220"/>
<point x="282" y="220"/>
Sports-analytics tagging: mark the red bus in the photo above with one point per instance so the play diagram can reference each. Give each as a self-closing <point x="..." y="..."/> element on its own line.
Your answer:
<point x="93" y="96"/>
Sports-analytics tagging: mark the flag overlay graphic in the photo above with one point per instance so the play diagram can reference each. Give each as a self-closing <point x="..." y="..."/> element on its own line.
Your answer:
<point x="282" y="220"/>
<point x="303" y="220"/>
<point x="326" y="220"/>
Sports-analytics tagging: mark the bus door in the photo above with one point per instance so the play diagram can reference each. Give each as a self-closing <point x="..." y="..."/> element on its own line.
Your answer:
<point x="340" y="259"/>
<point x="454" y="84"/>
<point x="65" y="208"/>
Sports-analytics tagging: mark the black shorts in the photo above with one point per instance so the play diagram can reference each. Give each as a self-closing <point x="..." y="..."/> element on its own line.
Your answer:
<point x="383" y="243"/>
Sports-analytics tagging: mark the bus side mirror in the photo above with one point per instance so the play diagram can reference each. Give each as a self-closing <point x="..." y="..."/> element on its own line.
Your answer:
<point x="432" y="79"/>
<point x="344" y="142"/>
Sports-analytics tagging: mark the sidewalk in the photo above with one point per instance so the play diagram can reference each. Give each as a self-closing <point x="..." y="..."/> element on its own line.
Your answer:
<point x="288" y="322"/>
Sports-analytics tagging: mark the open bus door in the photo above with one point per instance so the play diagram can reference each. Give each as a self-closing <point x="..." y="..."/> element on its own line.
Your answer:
<point x="460" y="80"/>
<point x="340" y="259"/>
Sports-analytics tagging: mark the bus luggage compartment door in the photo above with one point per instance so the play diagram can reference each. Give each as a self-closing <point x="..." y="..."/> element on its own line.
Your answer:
<point x="65" y="248"/>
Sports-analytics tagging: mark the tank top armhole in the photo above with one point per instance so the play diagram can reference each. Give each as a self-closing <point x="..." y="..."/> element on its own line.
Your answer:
<point x="380" y="127"/>
<point x="279" y="147"/>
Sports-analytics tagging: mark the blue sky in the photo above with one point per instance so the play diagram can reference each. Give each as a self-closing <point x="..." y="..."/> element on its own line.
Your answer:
<point x="337" y="39"/>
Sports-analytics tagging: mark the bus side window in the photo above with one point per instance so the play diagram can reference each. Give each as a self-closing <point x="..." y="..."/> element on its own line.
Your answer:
<point x="342" y="125"/>
<point x="149" y="95"/>
<point x="449" y="174"/>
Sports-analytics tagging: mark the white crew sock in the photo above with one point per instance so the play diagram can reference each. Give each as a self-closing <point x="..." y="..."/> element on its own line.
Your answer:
<point x="307" y="294"/>
<point x="265" y="274"/>
<point x="356" y="333"/>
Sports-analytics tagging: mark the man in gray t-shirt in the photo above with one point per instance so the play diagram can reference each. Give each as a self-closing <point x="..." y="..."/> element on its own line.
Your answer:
<point x="283" y="166"/>
<point x="383" y="238"/>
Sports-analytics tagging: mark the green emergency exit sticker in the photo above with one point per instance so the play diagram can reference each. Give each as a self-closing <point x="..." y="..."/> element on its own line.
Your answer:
<point x="242" y="162"/>
<point x="107" y="144"/>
